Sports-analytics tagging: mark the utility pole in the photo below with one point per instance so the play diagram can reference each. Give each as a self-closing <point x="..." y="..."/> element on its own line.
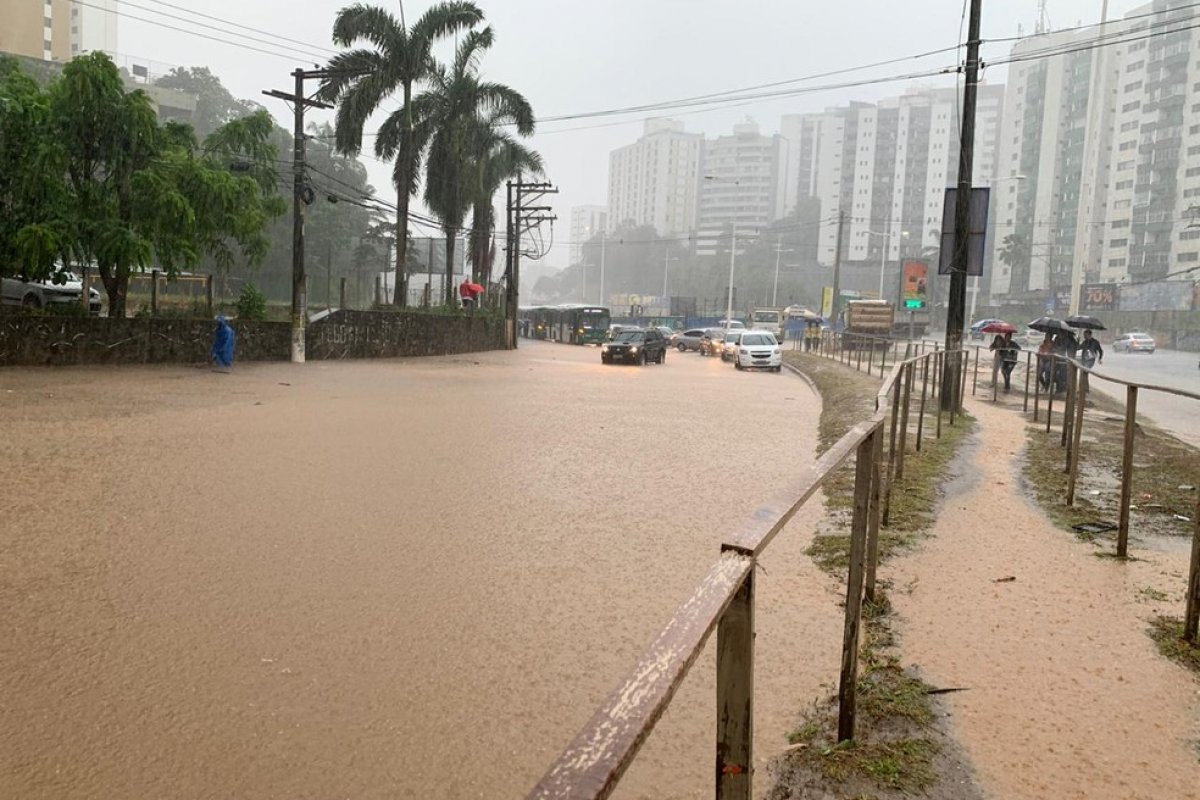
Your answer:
<point x="520" y="218"/>
<point x="837" y="270"/>
<point x="732" y="256"/>
<point x="603" y="237"/>
<point x="302" y="195"/>
<point x="962" y="214"/>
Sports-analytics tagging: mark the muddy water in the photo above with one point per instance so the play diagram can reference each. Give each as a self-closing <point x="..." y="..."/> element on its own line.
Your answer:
<point x="1066" y="696"/>
<point x="382" y="579"/>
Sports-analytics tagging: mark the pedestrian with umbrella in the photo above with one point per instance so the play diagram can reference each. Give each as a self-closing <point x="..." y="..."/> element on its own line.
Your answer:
<point x="1091" y="351"/>
<point x="1053" y="344"/>
<point x="1000" y="344"/>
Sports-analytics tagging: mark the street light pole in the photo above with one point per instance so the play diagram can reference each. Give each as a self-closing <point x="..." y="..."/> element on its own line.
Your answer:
<point x="732" y="256"/>
<point x="666" y="265"/>
<point x="603" y="237"/>
<point x="887" y="239"/>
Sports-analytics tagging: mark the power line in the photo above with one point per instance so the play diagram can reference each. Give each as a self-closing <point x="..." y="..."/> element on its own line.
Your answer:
<point x="243" y="27"/>
<point x="1128" y="18"/>
<point x="290" y="58"/>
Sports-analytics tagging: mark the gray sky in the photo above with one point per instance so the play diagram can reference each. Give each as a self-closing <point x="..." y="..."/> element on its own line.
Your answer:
<point x="569" y="57"/>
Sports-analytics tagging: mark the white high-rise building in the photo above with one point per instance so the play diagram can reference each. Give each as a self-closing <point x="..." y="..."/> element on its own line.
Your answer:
<point x="586" y="222"/>
<point x="887" y="166"/>
<point x="654" y="180"/>
<point x="94" y="27"/>
<point x="742" y="183"/>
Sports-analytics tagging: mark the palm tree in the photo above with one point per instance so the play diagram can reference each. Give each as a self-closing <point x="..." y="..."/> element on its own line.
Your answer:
<point x="502" y="157"/>
<point x="463" y="115"/>
<point x="363" y="79"/>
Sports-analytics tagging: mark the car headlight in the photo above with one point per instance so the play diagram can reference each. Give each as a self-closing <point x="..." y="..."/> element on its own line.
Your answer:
<point x="604" y="349"/>
<point x="633" y="349"/>
<point x="775" y="351"/>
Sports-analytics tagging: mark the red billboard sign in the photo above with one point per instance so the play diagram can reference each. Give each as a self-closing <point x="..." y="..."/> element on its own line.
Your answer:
<point x="916" y="283"/>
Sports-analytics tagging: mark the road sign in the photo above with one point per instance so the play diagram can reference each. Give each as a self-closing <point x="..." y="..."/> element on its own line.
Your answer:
<point x="914" y="303"/>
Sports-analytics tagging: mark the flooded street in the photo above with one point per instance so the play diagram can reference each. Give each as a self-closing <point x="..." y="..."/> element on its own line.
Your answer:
<point x="381" y="579"/>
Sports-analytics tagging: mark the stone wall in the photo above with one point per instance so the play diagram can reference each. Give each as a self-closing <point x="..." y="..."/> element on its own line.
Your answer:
<point x="55" y="341"/>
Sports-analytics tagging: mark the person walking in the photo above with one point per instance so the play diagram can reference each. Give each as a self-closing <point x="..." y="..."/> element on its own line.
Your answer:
<point x="1091" y="351"/>
<point x="1009" y="356"/>
<point x="466" y="294"/>
<point x="997" y="348"/>
<point x="1045" y="361"/>
<point x="224" y="338"/>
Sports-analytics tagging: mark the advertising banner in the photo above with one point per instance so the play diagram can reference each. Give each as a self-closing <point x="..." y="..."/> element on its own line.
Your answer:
<point x="916" y="284"/>
<point x="1098" y="297"/>
<point x="827" y="302"/>
<point x="976" y="241"/>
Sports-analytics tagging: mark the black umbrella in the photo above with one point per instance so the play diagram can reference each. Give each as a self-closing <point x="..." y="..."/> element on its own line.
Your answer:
<point x="1048" y="325"/>
<point x="1085" y="322"/>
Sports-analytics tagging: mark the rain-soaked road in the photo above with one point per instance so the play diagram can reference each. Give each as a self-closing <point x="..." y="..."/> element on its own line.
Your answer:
<point x="379" y="579"/>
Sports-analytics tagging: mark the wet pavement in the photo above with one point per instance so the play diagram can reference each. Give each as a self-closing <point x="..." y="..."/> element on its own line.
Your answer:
<point x="406" y="578"/>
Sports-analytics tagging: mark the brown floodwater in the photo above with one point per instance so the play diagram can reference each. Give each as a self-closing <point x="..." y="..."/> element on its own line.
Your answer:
<point x="381" y="579"/>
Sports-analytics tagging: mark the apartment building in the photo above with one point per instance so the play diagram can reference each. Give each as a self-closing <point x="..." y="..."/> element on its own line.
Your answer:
<point x="887" y="166"/>
<point x="654" y="180"/>
<point x="741" y="184"/>
<point x="57" y="30"/>
<point x="586" y="222"/>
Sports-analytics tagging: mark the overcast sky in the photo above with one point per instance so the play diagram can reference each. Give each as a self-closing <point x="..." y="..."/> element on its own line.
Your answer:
<point x="570" y="57"/>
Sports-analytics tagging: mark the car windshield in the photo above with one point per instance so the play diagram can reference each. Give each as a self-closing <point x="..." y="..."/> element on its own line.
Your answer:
<point x="1139" y="336"/>
<point x="758" y="339"/>
<point x="630" y="337"/>
<point x="733" y="336"/>
<point x="766" y="316"/>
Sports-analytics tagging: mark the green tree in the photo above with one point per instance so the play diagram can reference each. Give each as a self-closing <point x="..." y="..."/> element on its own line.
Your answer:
<point x="499" y="157"/>
<point x="398" y="59"/>
<point x="464" y="113"/>
<point x="215" y="106"/>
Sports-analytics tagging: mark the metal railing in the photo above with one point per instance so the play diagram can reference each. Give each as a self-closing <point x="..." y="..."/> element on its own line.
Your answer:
<point x="596" y="759"/>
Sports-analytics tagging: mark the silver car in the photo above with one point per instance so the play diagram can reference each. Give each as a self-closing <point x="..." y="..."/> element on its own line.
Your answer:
<point x="729" y="352"/>
<point x="46" y="293"/>
<point x="688" y="340"/>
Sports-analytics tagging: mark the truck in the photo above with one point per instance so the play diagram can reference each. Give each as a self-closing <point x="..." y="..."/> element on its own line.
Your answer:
<point x="769" y="319"/>
<point x="874" y="318"/>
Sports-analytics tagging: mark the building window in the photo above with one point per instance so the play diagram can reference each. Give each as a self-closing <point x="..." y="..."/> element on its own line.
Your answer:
<point x="1118" y="242"/>
<point x="1136" y="104"/>
<point x="1116" y="262"/>
<point x="1128" y="145"/>
<point x="1189" y="235"/>
<point x="48" y="21"/>
<point x="1194" y="151"/>
<point x="1123" y="165"/>
<point x="1130" y="126"/>
<point x="1120" y="223"/>
<point x="1192" y="172"/>
<point x="1133" y="87"/>
<point x="1136" y="65"/>
<point x="1122" y="204"/>
<point x="1189" y="257"/>
<point x="46" y="45"/>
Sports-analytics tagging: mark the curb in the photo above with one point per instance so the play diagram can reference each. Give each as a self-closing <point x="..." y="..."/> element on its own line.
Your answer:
<point x="802" y="377"/>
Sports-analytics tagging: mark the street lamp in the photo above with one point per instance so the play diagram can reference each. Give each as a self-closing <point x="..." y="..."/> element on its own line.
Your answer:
<point x="666" y="265"/>
<point x="887" y="238"/>
<point x="732" y="251"/>
<point x="779" y="249"/>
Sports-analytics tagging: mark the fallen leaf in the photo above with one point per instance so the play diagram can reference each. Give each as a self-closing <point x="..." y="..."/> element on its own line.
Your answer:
<point x="1009" y="579"/>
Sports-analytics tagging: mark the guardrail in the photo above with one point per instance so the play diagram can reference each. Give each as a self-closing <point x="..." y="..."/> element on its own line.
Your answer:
<point x="596" y="759"/>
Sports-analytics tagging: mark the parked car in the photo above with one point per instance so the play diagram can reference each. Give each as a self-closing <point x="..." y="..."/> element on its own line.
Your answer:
<point x="758" y="350"/>
<point x="733" y="323"/>
<point x="976" y="331"/>
<point x="687" y="340"/>
<point x="731" y="341"/>
<point x="613" y="330"/>
<point x="712" y="342"/>
<point x="1134" y="343"/>
<point x="635" y="347"/>
<point x="666" y="330"/>
<point x="46" y="293"/>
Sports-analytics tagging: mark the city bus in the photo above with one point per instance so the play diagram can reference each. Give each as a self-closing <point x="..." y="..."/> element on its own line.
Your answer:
<point x="579" y="324"/>
<point x="534" y="321"/>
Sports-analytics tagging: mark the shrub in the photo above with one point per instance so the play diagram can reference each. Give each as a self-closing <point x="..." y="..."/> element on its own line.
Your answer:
<point x="251" y="303"/>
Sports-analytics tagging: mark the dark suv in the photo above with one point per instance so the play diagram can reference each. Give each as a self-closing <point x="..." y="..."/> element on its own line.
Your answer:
<point x="633" y="346"/>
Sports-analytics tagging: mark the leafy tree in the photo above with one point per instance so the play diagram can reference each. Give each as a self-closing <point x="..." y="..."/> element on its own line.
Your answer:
<point x="499" y="157"/>
<point x="464" y="114"/>
<point x="215" y="106"/>
<point x="34" y="225"/>
<point x="398" y="59"/>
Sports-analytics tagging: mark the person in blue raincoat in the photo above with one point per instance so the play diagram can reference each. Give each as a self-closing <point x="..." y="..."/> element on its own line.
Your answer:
<point x="223" y="342"/>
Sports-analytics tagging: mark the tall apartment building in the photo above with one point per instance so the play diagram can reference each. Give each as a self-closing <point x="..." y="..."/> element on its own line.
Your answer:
<point x="1153" y="188"/>
<point x="586" y="222"/>
<point x="741" y="183"/>
<point x="57" y="30"/>
<point x="654" y="180"/>
<point x="887" y="166"/>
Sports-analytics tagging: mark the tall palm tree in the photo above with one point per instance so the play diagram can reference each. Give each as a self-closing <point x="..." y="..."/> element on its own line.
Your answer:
<point x="463" y="113"/>
<point x="363" y="79"/>
<point x="500" y="158"/>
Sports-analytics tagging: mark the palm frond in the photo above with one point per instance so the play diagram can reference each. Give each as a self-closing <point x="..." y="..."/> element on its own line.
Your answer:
<point x="503" y="103"/>
<point x="470" y="50"/>
<point x="346" y="69"/>
<point x="369" y="23"/>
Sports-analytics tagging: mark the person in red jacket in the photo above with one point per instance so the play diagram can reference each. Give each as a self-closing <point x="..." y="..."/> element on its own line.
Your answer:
<point x="466" y="294"/>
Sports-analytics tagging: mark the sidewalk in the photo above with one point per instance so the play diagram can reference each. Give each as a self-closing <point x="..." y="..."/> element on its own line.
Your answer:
<point x="1066" y="695"/>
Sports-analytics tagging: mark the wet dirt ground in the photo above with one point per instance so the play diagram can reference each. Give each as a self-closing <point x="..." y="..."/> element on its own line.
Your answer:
<point x="409" y="578"/>
<point x="1066" y="696"/>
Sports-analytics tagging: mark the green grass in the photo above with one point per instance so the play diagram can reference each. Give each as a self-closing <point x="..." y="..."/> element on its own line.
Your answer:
<point x="1167" y="633"/>
<point x="1162" y="466"/>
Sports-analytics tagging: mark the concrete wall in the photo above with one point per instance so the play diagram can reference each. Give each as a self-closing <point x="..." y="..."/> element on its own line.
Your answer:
<point x="54" y="341"/>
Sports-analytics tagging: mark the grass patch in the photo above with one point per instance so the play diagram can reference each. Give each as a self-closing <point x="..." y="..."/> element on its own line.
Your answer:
<point x="1167" y="633"/>
<point x="1163" y="498"/>
<point x="848" y="397"/>
<point x="1152" y="594"/>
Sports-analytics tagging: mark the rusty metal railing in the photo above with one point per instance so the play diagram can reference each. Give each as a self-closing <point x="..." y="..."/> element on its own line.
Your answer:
<point x="594" y="762"/>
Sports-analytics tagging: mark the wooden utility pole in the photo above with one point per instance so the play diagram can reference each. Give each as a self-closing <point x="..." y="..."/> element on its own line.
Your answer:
<point x="520" y="218"/>
<point x="837" y="270"/>
<point x="956" y="307"/>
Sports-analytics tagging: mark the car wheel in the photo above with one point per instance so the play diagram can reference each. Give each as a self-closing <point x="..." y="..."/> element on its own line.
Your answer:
<point x="31" y="301"/>
<point x="738" y="365"/>
<point x="662" y="357"/>
<point x="681" y="347"/>
<point x="778" y="369"/>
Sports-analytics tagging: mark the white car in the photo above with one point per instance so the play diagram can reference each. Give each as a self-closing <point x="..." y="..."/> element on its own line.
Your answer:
<point x="41" y="294"/>
<point x="758" y="350"/>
